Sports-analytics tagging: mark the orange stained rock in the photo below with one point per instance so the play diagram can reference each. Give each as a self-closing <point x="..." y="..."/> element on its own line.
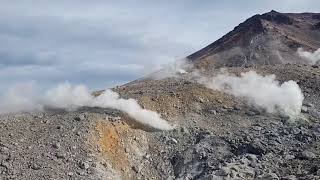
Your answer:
<point x="110" y="140"/>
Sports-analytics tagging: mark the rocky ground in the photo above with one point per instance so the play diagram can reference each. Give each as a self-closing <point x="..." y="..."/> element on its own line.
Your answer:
<point x="217" y="136"/>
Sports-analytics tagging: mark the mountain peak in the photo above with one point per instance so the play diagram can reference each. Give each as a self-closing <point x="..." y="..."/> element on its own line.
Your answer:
<point x="277" y="17"/>
<point x="269" y="38"/>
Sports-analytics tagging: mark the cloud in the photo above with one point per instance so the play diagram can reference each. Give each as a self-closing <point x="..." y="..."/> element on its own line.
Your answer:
<point x="65" y="36"/>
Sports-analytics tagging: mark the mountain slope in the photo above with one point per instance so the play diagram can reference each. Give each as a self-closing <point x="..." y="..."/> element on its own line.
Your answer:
<point x="270" y="38"/>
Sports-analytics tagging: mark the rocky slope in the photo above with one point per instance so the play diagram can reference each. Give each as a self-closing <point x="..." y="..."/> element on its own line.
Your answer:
<point x="217" y="135"/>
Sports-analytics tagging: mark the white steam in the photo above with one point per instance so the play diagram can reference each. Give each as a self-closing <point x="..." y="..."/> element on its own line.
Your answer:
<point x="71" y="97"/>
<point x="262" y="91"/>
<point x="22" y="97"/>
<point x="174" y="69"/>
<point x="312" y="57"/>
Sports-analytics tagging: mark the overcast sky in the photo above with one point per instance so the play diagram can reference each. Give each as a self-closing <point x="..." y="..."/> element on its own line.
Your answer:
<point x="104" y="43"/>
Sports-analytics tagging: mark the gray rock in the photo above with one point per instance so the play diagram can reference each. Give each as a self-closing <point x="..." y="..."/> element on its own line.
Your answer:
<point x="251" y="157"/>
<point x="237" y="108"/>
<point x="135" y="169"/>
<point x="289" y="157"/>
<point x="173" y="140"/>
<point x="308" y="104"/>
<point x="214" y="112"/>
<point x="35" y="166"/>
<point x="184" y="130"/>
<point x="81" y="117"/>
<point x="253" y="164"/>
<point x="5" y="164"/>
<point x="56" y="145"/>
<point x="250" y="113"/>
<point x="304" y="109"/>
<point x="269" y="176"/>
<point x="78" y="133"/>
<point x="221" y="172"/>
<point x="61" y="155"/>
<point x="39" y="116"/>
<point x="315" y="113"/>
<point x="113" y="118"/>
<point x="201" y="100"/>
<point x="83" y="164"/>
<point x="295" y="130"/>
<point x="147" y="156"/>
<point x="290" y="177"/>
<point x="257" y="128"/>
<point x="202" y="154"/>
<point x="308" y="155"/>
<point x="81" y="173"/>
<point x="70" y="174"/>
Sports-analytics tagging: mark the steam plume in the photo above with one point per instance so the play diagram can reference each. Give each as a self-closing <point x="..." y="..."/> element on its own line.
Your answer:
<point x="178" y="67"/>
<point x="262" y="91"/>
<point x="72" y="97"/>
<point x="21" y="97"/>
<point x="313" y="58"/>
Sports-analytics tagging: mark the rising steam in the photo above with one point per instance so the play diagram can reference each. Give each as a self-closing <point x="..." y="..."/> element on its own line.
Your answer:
<point x="262" y="91"/>
<point x="72" y="97"/>
<point x="21" y="97"/>
<point x="312" y="57"/>
<point x="178" y="67"/>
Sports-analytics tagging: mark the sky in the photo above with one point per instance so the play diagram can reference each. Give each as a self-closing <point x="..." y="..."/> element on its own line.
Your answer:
<point x="106" y="43"/>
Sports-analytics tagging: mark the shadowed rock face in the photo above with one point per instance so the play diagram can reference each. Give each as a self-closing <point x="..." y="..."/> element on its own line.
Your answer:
<point x="270" y="38"/>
